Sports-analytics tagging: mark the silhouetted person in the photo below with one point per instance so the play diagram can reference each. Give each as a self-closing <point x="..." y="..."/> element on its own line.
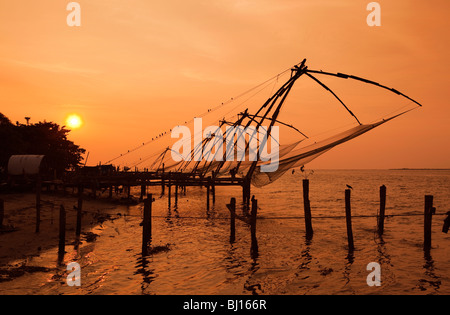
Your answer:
<point x="233" y="172"/>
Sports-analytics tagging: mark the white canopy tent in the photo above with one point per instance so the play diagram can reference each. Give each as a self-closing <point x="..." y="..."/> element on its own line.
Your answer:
<point x="25" y="164"/>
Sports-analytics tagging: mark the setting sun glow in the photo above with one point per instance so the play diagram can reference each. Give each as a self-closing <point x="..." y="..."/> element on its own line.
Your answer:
<point x="74" y="121"/>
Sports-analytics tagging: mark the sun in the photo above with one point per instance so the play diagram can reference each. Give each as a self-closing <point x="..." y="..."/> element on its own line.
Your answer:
<point x="74" y="121"/>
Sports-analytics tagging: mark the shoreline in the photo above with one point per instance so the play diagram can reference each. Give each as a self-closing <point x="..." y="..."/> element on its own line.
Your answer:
<point x="19" y="246"/>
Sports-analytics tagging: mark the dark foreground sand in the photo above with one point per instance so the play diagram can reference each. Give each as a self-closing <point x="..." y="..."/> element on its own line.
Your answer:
<point x="19" y="240"/>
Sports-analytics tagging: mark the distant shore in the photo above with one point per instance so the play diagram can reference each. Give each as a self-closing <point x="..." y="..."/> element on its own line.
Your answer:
<point x="419" y="169"/>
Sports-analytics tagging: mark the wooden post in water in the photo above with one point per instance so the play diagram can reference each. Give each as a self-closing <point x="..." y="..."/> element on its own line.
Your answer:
<point x="143" y="189"/>
<point x="244" y="195"/>
<point x="348" y="216"/>
<point x="176" y="193"/>
<point x="147" y="224"/>
<point x="254" y="241"/>
<point x="38" y="202"/>
<point x="2" y="212"/>
<point x="307" y="209"/>
<point x="382" y="210"/>
<point x="232" y="208"/>
<point x="62" y="233"/>
<point x="428" y="215"/>
<point x="213" y="191"/>
<point x="79" y="209"/>
<point x="207" y="195"/>
<point x="163" y="182"/>
<point x="213" y="187"/>
<point x="169" y="192"/>
<point x="253" y="215"/>
<point x="247" y="197"/>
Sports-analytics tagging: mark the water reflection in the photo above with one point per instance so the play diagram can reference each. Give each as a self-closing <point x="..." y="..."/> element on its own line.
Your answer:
<point x="235" y="264"/>
<point x="211" y="213"/>
<point x="435" y="281"/>
<point x="383" y="257"/>
<point x="148" y="274"/>
<point x="253" y="288"/>
<point x="305" y="255"/>
<point x="280" y="261"/>
<point x="169" y="215"/>
<point x="305" y="260"/>
<point x="60" y="259"/>
<point x="77" y="243"/>
<point x="254" y="250"/>
<point x="348" y="266"/>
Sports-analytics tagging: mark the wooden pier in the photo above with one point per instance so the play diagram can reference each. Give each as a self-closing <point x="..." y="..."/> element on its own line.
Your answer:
<point x="113" y="180"/>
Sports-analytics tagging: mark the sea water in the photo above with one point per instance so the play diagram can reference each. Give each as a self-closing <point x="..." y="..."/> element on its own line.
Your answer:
<point x="198" y="257"/>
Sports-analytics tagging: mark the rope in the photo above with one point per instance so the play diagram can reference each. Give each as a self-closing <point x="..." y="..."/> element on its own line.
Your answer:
<point x="259" y="217"/>
<point x="202" y="115"/>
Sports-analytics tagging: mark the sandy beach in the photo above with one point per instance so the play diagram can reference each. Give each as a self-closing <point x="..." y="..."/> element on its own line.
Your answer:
<point x="19" y="242"/>
<point x="199" y="258"/>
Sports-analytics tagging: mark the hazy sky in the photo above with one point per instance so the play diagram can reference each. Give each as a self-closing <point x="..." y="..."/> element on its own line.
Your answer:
<point x="139" y="66"/>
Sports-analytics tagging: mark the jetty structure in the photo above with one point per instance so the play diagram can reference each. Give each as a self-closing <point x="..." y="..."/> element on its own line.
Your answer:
<point x="207" y="162"/>
<point x="159" y="167"/>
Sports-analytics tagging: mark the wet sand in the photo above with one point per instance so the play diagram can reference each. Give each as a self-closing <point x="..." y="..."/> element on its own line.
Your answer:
<point x="201" y="260"/>
<point x="19" y="242"/>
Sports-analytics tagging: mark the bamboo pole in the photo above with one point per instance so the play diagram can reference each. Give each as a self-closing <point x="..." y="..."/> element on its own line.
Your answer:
<point x="176" y="193"/>
<point x="143" y="188"/>
<point x="208" y="188"/>
<point x="428" y="215"/>
<point x="147" y="224"/>
<point x="232" y="208"/>
<point x="213" y="191"/>
<point x="62" y="233"/>
<point x="169" y="190"/>
<point x="254" y="241"/>
<point x="307" y="209"/>
<point x="382" y="210"/>
<point x="348" y="216"/>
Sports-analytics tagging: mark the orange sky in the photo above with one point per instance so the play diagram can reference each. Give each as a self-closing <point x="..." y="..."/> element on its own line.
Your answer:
<point x="136" y="67"/>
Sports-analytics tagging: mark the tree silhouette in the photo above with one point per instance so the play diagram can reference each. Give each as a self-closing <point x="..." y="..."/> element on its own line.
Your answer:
<point x="42" y="138"/>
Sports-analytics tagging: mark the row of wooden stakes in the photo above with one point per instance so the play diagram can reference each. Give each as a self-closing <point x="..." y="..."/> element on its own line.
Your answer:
<point x="428" y="214"/>
<point x="429" y="211"/>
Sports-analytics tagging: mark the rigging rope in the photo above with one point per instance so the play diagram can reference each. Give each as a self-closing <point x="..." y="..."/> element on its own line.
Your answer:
<point x="203" y="114"/>
<point x="279" y="97"/>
